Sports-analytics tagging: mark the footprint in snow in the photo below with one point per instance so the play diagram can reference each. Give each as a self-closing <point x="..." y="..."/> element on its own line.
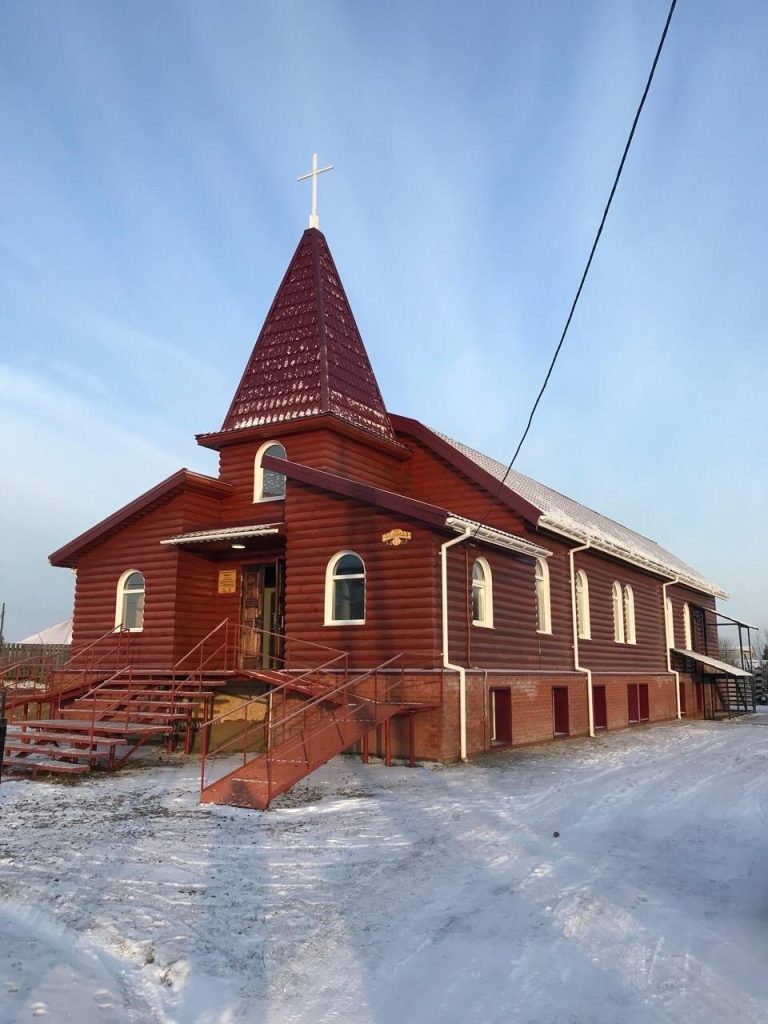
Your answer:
<point x="103" y="997"/>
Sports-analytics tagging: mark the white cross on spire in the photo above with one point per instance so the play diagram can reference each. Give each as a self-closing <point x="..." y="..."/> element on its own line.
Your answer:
<point x="314" y="220"/>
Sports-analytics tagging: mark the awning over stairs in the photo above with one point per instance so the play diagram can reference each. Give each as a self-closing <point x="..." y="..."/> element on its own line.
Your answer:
<point x="721" y="668"/>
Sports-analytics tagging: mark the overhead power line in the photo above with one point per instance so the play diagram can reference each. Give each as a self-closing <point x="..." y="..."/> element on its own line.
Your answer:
<point x="592" y="251"/>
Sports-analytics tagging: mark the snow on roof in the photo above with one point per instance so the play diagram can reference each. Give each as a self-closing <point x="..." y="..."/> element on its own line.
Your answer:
<point x="561" y="513"/>
<point x="61" y="633"/>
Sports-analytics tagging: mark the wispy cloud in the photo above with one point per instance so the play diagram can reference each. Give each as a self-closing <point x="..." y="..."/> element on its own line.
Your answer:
<point x="149" y="208"/>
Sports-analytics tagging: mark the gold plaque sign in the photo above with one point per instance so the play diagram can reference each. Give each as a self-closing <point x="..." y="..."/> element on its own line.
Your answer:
<point x="228" y="581"/>
<point x="395" y="537"/>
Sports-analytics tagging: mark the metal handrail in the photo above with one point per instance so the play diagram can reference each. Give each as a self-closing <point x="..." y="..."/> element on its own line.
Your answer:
<point x="309" y="714"/>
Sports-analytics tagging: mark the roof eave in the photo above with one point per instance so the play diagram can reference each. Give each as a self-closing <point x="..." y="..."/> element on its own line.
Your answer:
<point x="64" y="557"/>
<point x="530" y="513"/>
<point x="648" y="564"/>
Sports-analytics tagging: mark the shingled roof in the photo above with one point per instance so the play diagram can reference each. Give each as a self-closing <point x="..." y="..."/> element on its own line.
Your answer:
<point x="309" y="358"/>
<point x="561" y="513"/>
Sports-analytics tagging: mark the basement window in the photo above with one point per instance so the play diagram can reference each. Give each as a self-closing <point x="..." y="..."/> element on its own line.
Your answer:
<point x="345" y="590"/>
<point x="129" y="611"/>
<point x="267" y="484"/>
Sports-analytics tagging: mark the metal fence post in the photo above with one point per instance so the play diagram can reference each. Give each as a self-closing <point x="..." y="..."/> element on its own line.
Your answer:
<point x="3" y="728"/>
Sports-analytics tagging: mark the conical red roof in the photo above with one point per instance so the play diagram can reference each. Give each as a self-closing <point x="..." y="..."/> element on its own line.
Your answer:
<point x="309" y="358"/>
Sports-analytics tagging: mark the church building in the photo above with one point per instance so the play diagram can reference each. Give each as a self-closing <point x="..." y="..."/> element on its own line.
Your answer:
<point x="365" y="581"/>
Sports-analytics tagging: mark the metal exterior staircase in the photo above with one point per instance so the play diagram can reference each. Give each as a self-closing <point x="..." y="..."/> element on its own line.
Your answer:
<point x="107" y="725"/>
<point x="307" y="725"/>
<point x="99" y="715"/>
<point x="733" y="696"/>
<point x="120" y="710"/>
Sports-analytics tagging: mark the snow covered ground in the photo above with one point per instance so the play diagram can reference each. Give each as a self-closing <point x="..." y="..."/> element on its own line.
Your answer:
<point x="395" y="895"/>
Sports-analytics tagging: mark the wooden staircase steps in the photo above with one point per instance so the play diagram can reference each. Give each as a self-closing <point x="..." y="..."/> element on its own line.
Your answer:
<point x="45" y="765"/>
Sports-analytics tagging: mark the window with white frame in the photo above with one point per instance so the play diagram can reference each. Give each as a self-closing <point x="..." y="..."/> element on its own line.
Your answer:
<point x="267" y="484"/>
<point x="630" y="629"/>
<point x="345" y="590"/>
<point x="583" y="624"/>
<point x="687" y="634"/>
<point x="129" y="607"/>
<point x="618" y="612"/>
<point x="482" y="594"/>
<point x="669" y="620"/>
<point x="543" y="604"/>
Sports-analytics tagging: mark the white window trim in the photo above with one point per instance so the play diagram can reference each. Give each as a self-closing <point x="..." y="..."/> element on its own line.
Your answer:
<point x="545" y="611"/>
<point x="487" y="586"/>
<point x="630" y="623"/>
<point x="617" y="600"/>
<point x="687" y="631"/>
<point x="120" y="600"/>
<point x="258" y="474"/>
<point x="330" y="580"/>
<point x="583" y="618"/>
<point x="669" y="621"/>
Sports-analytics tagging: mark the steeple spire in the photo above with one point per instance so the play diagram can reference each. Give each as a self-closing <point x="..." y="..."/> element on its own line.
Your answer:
<point x="309" y="359"/>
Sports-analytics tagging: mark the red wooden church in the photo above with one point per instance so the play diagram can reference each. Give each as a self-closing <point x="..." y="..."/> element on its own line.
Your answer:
<point x="347" y="578"/>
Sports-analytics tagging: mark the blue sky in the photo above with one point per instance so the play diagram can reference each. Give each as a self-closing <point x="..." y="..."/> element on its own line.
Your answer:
<point x="148" y="208"/>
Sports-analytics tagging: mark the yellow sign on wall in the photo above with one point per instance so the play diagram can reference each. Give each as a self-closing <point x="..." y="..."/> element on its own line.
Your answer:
<point x="395" y="537"/>
<point x="228" y="581"/>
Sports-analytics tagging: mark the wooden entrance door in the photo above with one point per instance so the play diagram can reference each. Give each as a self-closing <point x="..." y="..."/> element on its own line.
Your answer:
<point x="262" y="614"/>
<point x="600" y="707"/>
<point x="501" y="716"/>
<point x="560" y="717"/>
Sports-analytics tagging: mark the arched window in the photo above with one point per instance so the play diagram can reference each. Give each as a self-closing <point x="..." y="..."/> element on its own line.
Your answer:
<point x="669" y="620"/>
<point x="345" y="590"/>
<point x="630" y="630"/>
<point x="129" y="607"/>
<point x="267" y="484"/>
<point x="482" y="594"/>
<point x="583" y="624"/>
<point x="687" y="636"/>
<point x="543" y="609"/>
<point x="618" y="613"/>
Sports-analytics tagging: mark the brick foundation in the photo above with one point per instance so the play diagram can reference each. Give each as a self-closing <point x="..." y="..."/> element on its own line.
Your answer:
<point x="530" y="704"/>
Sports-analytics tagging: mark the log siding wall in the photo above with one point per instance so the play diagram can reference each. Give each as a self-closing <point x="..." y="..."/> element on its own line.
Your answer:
<point x="401" y="594"/>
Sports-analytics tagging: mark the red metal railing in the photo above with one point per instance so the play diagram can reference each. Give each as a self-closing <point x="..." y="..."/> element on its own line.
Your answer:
<point x="298" y="739"/>
<point x="40" y="680"/>
<point x="222" y="649"/>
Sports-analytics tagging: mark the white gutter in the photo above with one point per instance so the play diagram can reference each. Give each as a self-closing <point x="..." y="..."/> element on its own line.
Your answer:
<point x="643" y="563"/>
<point x="574" y="617"/>
<point x="499" y="538"/>
<point x="446" y="663"/>
<point x="664" y="586"/>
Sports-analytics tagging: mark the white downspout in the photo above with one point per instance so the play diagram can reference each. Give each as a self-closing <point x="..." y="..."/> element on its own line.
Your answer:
<point x="664" y="586"/>
<point x="446" y="663"/>
<point x="576" y="665"/>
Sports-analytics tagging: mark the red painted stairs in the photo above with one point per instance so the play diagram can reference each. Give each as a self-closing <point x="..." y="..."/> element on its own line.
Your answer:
<point x="108" y="724"/>
<point x="312" y="718"/>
